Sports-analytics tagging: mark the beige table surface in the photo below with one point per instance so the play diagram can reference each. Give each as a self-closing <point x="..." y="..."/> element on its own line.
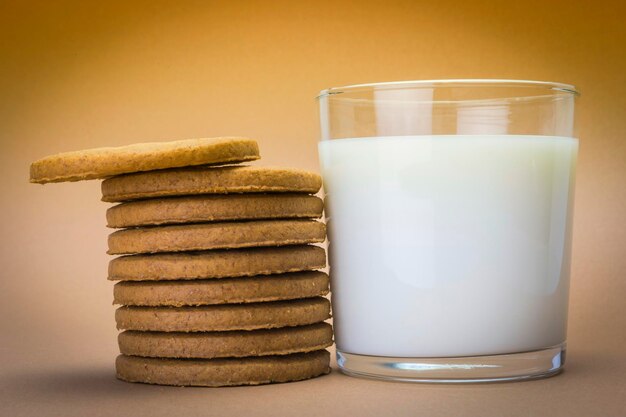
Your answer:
<point x="592" y="385"/>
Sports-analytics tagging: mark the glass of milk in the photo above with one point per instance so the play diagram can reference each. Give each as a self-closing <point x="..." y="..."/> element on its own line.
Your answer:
<point x="449" y="212"/>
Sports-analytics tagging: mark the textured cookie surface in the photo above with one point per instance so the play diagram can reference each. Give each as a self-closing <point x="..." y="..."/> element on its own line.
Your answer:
<point x="209" y="208"/>
<point x="223" y="372"/>
<point x="224" y="317"/>
<point x="223" y="235"/>
<point x="222" y="291"/>
<point x="207" y="180"/>
<point x="105" y="162"/>
<point x="208" y="345"/>
<point x="217" y="263"/>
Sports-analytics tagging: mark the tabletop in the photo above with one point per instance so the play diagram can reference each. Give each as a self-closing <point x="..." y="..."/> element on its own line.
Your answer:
<point x="593" y="384"/>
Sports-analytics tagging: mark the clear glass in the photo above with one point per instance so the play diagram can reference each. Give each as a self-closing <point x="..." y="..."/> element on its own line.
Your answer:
<point x="449" y="211"/>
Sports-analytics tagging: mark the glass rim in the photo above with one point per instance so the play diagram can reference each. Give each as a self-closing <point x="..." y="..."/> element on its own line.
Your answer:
<point x="458" y="83"/>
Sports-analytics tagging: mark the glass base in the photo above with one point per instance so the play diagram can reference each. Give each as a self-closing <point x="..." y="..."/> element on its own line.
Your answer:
<point x="467" y="369"/>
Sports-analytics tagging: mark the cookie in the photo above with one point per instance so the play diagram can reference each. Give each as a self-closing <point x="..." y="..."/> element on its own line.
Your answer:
<point x="222" y="291"/>
<point x="210" y="208"/>
<point x="223" y="372"/>
<point x="106" y="162"/>
<point x="234" y="344"/>
<point x="225" y="235"/>
<point x="224" y="317"/>
<point x="217" y="263"/>
<point x="207" y="180"/>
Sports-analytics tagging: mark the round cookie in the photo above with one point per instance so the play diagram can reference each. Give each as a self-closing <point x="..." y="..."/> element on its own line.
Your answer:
<point x="210" y="208"/>
<point x="106" y="162"/>
<point x="207" y="180"/>
<point x="221" y="291"/>
<point x="224" y="317"/>
<point x="217" y="263"/>
<point x="234" y="344"/>
<point x="223" y="372"/>
<point x="223" y="235"/>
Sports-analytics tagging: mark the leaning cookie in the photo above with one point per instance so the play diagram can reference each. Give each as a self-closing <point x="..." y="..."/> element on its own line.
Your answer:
<point x="106" y="162"/>
<point x="223" y="372"/>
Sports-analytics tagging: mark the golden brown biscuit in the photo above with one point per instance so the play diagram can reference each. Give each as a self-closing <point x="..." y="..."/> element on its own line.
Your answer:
<point x="217" y="263"/>
<point x="210" y="208"/>
<point x="208" y="345"/>
<point x="223" y="235"/>
<point x="222" y="291"/>
<point x="207" y="180"/>
<point x="105" y="162"/>
<point x="223" y="372"/>
<point x="224" y="316"/>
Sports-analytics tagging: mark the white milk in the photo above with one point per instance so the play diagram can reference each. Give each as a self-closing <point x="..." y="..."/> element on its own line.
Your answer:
<point x="449" y="245"/>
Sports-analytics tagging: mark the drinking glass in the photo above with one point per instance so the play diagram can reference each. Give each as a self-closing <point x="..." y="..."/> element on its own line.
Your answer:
<point x="449" y="212"/>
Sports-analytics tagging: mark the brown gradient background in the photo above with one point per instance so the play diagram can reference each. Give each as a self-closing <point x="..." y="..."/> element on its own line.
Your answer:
<point x="82" y="74"/>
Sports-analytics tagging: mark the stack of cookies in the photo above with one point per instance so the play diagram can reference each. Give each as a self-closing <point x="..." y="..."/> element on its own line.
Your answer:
<point x="218" y="277"/>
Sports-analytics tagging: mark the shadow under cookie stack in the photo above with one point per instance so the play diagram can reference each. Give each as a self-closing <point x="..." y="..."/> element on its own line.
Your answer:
<point x="218" y="275"/>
